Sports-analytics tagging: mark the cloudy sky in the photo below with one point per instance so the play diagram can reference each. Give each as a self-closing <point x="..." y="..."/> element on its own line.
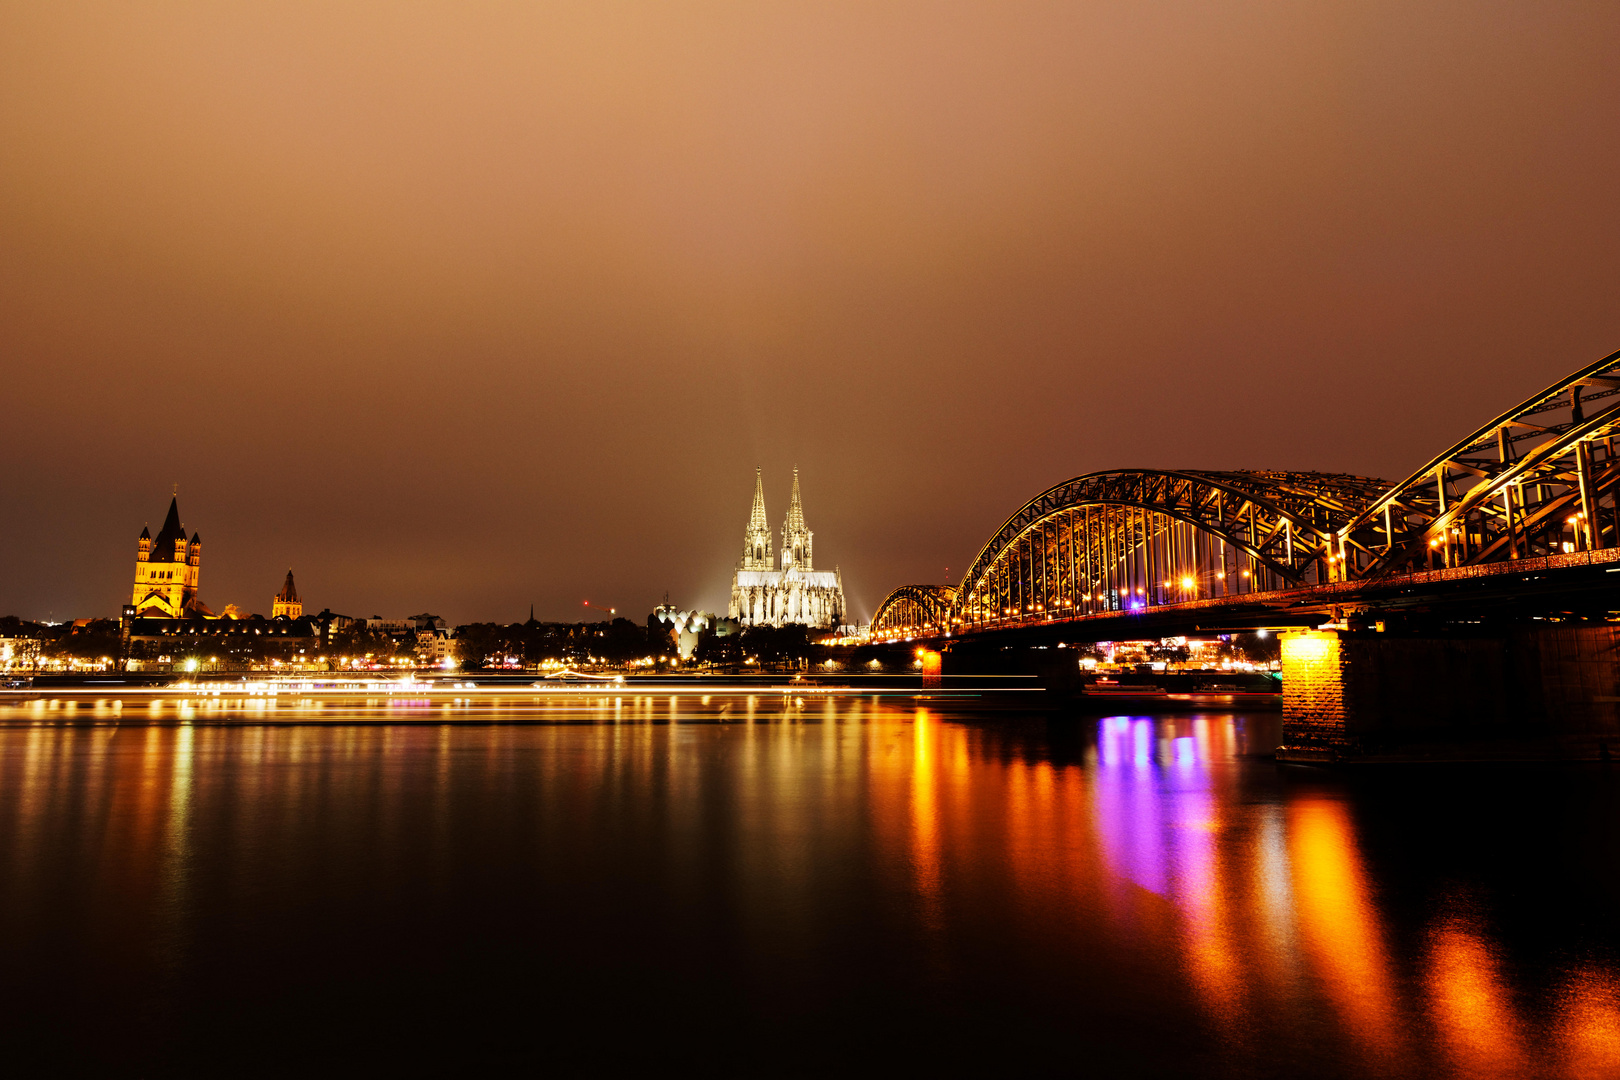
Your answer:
<point x="463" y="306"/>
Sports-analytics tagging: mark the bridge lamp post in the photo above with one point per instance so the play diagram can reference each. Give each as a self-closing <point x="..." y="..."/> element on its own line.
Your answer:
<point x="1189" y="583"/>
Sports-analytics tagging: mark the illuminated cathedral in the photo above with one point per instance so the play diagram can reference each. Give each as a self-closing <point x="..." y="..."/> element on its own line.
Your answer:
<point x="761" y="594"/>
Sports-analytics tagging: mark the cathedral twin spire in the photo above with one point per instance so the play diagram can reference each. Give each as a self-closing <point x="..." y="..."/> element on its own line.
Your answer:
<point x="765" y="592"/>
<point x="795" y="537"/>
<point x="758" y="553"/>
<point x="756" y="520"/>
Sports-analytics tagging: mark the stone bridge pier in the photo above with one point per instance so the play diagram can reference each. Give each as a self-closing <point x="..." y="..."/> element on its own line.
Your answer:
<point x="1529" y="692"/>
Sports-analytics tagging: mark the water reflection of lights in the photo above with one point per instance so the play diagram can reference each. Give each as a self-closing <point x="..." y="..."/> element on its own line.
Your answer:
<point x="1479" y="1027"/>
<point x="1265" y="905"/>
<point x="1128" y="806"/>
<point x="1160" y="822"/>
<point x="925" y="841"/>
<point x="1339" y="923"/>
<point x="1588" y="1027"/>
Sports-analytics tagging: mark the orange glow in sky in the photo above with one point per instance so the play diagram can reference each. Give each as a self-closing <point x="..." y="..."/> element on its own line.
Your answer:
<point x="547" y="280"/>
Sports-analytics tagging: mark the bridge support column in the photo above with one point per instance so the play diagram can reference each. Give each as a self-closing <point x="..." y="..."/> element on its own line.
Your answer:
<point x="1319" y="714"/>
<point x="1522" y="693"/>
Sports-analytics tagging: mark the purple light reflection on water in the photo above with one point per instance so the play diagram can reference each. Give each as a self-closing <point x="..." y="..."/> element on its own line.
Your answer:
<point x="1153" y="811"/>
<point x="1126" y="802"/>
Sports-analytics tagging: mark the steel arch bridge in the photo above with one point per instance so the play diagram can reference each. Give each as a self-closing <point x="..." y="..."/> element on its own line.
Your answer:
<point x="1539" y="481"/>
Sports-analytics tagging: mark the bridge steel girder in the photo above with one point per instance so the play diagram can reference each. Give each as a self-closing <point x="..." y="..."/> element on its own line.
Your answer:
<point x="1539" y="480"/>
<point x="1139" y="525"/>
<point x="925" y="609"/>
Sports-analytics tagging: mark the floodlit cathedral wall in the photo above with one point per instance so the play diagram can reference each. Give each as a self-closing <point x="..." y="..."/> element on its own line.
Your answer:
<point x="762" y="594"/>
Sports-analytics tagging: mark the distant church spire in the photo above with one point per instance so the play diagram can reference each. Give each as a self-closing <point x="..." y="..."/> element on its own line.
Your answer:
<point x="172" y="529"/>
<point x="795" y="518"/>
<point x="757" y="519"/>
<point x="795" y="537"/>
<point x="758" y="553"/>
<point x="286" y="602"/>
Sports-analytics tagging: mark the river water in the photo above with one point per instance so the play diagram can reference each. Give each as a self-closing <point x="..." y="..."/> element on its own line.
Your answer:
<point x="779" y="885"/>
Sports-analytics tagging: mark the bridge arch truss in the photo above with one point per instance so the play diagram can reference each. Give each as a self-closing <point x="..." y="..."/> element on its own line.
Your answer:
<point x="1126" y="540"/>
<point x="1539" y="480"/>
<point x="913" y="610"/>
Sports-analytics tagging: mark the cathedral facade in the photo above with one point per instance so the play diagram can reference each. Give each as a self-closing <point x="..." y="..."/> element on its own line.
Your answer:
<point x="762" y="594"/>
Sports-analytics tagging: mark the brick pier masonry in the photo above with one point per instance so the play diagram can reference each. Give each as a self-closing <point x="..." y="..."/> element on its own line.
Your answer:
<point x="1546" y="692"/>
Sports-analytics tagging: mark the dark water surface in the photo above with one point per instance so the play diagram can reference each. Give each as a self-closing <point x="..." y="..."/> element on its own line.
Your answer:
<point x="760" y="886"/>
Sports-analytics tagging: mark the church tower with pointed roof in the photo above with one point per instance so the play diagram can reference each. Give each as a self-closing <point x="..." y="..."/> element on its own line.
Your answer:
<point x="167" y="567"/>
<point x="757" y="550"/>
<point x="795" y="537"/>
<point x="762" y="595"/>
<point x="286" y="603"/>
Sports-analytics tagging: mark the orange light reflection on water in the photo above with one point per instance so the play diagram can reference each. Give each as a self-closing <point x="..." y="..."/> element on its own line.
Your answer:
<point x="1198" y="883"/>
<point x="1588" y="1026"/>
<point x="1286" y="895"/>
<point x="925" y="838"/>
<point x="1473" y="1012"/>
<point x="1340" y="926"/>
<point x="1265" y="910"/>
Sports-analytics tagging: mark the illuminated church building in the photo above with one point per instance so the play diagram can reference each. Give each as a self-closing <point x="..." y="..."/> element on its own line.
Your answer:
<point x="167" y="567"/>
<point x="286" y="604"/>
<point x="762" y="595"/>
<point x="165" y="622"/>
<point x="166" y="570"/>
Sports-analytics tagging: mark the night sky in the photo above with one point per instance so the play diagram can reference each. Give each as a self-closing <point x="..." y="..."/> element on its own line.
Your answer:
<point x="459" y="307"/>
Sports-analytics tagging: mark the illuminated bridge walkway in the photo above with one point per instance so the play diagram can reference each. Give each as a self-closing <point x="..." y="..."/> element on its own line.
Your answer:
<point x="1533" y="489"/>
<point x="1524" y="507"/>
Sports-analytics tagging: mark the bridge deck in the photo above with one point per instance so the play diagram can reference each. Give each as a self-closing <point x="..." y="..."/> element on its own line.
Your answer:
<point x="1308" y="606"/>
